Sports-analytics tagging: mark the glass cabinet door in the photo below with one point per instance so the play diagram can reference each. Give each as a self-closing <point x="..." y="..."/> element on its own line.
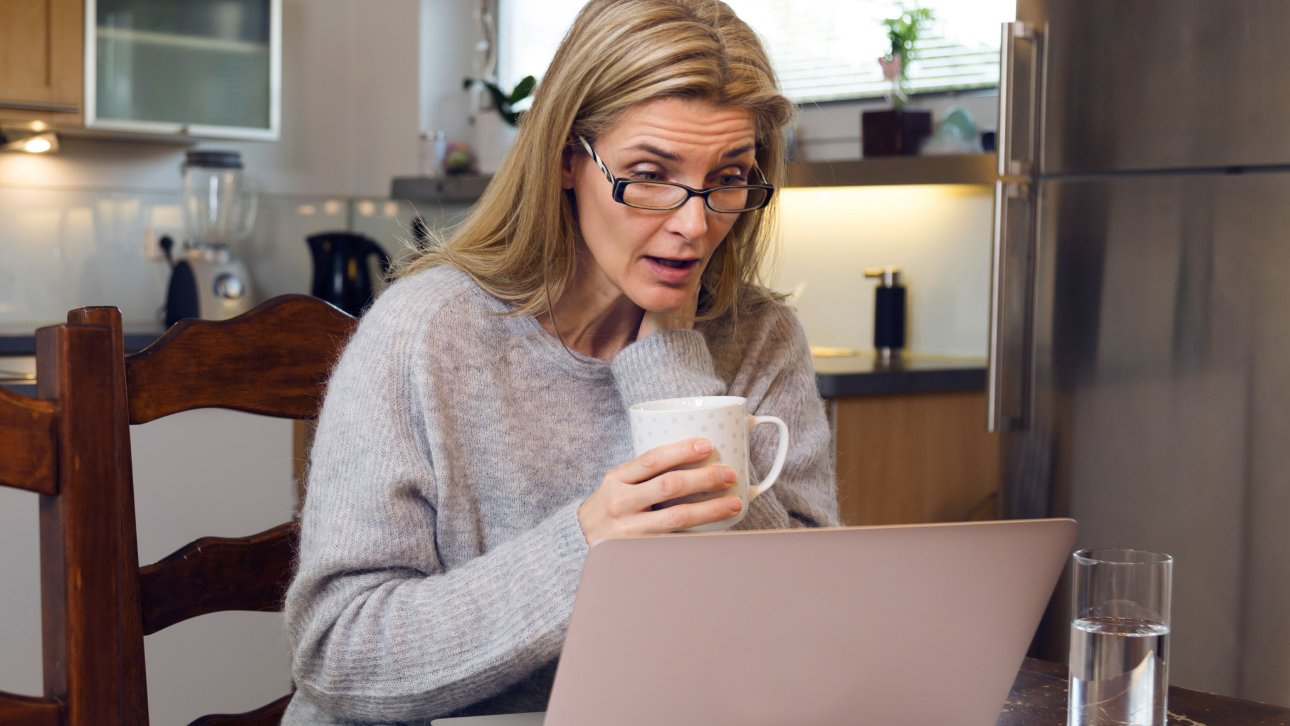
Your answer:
<point x="208" y="68"/>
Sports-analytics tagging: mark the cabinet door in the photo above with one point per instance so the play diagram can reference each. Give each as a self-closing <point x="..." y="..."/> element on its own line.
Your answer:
<point x="907" y="459"/>
<point x="201" y="67"/>
<point x="41" y="47"/>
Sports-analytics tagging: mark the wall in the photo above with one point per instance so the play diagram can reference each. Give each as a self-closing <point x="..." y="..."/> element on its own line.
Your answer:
<point x="939" y="237"/>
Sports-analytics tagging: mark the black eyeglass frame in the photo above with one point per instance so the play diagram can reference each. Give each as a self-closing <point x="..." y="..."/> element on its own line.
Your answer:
<point x="620" y="187"/>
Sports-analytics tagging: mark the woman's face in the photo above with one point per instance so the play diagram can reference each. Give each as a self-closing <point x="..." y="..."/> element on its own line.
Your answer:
<point x="656" y="258"/>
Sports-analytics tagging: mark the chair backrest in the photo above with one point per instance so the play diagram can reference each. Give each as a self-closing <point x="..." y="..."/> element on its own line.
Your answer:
<point x="72" y="446"/>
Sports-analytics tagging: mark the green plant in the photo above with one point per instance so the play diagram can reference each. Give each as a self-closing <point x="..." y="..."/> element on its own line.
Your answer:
<point x="502" y="101"/>
<point x="903" y="32"/>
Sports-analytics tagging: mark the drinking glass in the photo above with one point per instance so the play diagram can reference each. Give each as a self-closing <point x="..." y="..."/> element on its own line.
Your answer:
<point x="1119" y="652"/>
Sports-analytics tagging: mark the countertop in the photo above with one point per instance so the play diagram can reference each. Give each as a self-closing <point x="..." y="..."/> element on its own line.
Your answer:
<point x="842" y="372"/>
<point x="20" y="344"/>
<point x="838" y="372"/>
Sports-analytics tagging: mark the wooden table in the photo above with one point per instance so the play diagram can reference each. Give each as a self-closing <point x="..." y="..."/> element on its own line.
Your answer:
<point x="1038" y="698"/>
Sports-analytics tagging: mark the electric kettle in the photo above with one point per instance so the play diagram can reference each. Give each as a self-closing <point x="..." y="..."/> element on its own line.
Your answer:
<point x="341" y="274"/>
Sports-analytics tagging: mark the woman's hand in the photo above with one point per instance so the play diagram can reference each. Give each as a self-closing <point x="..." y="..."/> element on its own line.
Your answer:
<point x="623" y="503"/>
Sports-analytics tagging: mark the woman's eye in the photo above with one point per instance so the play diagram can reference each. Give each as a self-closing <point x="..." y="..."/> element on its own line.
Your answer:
<point x="729" y="180"/>
<point x="643" y="175"/>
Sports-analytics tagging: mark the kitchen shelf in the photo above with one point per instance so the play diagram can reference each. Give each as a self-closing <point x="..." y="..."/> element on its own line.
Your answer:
<point x="895" y="170"/>
<point x="457" y="188"/>
<point x="179" y="40"/>
<point x="883" y="171"/>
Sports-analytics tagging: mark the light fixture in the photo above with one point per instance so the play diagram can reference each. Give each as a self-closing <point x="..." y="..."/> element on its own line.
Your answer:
<point x="34" y="138"/>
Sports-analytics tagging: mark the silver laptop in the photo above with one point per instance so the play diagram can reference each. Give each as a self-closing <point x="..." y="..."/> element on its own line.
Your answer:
<point x="923" y="624"/>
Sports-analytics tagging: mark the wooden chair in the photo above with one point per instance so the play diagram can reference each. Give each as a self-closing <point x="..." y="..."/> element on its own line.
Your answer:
<point x="71" y="445"/>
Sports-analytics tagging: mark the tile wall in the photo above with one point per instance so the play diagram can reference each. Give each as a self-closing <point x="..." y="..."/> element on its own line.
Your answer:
<point x="61" y="249"/>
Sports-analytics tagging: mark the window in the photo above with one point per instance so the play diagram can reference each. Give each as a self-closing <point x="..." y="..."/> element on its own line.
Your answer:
<point x="823" y="50"/>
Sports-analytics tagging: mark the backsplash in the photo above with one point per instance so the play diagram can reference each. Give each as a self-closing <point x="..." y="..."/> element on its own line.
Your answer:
<point x="61" y="249"/>
<point x="939" y="237"/>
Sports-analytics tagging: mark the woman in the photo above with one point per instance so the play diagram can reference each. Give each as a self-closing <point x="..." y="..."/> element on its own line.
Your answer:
<point x="474" y="441"/>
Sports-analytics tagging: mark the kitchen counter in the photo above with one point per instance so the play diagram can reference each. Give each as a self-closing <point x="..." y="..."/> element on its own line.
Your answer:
<point x="18" y="350"/>
<point x="840" y="373"/>
<point x="19" y="344"/>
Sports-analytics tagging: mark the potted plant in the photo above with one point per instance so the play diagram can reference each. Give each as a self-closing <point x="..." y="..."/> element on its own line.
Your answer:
<point x="504" y="103"/>
<point x="898" y="130"/>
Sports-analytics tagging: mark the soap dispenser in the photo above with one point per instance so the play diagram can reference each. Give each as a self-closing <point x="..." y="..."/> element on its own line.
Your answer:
<point x="888" y="313"/>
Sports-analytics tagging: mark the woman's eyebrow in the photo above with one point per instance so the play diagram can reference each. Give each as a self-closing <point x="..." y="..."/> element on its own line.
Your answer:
<point x="651" y="149"/>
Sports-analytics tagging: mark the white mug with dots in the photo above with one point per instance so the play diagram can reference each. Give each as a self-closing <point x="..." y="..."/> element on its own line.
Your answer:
<point x="724" y="421"/>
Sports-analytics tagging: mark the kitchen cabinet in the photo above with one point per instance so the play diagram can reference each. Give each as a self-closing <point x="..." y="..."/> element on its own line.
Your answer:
<point x="41" y="49"/>
<point x="139" y="67"/>
<point x="208" y="69"/>
<point x="915" y="457"/>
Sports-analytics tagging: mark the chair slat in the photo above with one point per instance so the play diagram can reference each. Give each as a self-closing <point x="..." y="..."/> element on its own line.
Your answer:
<point x="171" y="375"/>
<point x="214" y="574"/>
<point x="27" y="443"/>
<point x="29" y="710"/>
<point x="268" y="715"/>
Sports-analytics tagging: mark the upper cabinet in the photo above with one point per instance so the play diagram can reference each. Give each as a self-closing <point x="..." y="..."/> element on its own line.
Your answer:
<point x="200" y="68"/>
<point x="41" y="50"/>
<point x="205" y="68"/>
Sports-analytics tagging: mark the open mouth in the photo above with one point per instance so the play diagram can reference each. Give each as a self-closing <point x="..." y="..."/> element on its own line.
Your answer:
<point x="674" y="264"/>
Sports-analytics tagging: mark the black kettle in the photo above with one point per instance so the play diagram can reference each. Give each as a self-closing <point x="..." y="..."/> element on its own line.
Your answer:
<point x="341" y="275"/>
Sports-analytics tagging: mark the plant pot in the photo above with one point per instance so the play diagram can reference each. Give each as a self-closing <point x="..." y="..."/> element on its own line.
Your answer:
<point x="894" y="131"/>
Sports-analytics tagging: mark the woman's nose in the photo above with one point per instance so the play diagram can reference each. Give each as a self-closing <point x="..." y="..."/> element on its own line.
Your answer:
<point x="690" y="219"/>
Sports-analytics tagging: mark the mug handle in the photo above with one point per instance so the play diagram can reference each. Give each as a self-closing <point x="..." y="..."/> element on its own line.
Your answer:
<point x="781" y="453"/>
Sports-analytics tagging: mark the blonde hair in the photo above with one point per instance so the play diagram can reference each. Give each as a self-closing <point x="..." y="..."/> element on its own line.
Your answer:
<point x="518" y="243"/>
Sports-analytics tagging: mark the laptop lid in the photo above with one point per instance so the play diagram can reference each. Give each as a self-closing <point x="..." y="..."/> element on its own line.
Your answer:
<point x="891" y="625"/>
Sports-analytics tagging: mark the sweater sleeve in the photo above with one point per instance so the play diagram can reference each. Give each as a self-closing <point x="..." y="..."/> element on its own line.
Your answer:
<point x="778" y="379"/>
<point x="380" y="630"/>
<point x="666" y="364"/>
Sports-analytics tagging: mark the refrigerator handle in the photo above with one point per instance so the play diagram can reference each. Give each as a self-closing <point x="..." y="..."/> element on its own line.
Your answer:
<point x="1010" y="164"/>
<point x="1007" y="374"/>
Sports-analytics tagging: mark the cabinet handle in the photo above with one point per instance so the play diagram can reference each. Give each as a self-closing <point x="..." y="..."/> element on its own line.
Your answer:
<point x="47" y="107"/>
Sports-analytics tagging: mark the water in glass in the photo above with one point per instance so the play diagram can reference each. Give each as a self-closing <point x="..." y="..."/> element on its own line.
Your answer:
<point x="1119" y="671"/>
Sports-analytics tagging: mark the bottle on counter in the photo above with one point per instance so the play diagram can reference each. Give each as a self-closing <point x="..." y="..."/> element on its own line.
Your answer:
<point x="434" y="146"/>
<point x="888" y="313"/>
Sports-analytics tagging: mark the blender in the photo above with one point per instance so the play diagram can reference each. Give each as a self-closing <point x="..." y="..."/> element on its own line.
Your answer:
<point x="207" y="280"/>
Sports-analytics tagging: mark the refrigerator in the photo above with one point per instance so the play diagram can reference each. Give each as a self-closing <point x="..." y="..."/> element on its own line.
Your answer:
<point x="1140" y="341"/>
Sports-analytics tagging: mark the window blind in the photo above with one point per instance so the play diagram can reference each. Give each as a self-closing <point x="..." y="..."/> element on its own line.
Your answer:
<point x="822" y="50"/>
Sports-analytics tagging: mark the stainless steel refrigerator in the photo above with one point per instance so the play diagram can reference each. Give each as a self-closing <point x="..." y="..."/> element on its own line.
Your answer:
<point x="1140" y="346"/>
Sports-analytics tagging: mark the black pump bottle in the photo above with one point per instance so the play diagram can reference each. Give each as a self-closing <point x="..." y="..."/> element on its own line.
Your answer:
<point x="888" y="313"/>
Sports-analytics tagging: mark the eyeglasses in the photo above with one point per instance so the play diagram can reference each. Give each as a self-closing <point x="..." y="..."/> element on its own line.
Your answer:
<point x="728" y="199"/>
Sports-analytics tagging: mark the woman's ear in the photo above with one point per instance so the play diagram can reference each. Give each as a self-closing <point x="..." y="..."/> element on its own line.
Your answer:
<point x="566" y="167"/>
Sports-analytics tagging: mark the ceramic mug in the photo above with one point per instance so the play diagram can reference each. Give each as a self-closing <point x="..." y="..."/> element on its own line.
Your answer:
<point x="724" y="421"/>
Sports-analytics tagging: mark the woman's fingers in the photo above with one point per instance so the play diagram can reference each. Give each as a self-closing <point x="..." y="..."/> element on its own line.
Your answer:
<point x="661" y="459"/>
<point x="676" y="484"/>
<point x="691" y="514"/>
<point x="625" y="502"/>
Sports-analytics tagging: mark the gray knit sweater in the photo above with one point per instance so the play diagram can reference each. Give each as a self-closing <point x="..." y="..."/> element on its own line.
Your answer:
<point x="440" y="546"/>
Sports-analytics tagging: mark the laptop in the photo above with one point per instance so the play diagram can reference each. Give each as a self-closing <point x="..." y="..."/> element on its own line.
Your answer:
<point x="891" y="625"/>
